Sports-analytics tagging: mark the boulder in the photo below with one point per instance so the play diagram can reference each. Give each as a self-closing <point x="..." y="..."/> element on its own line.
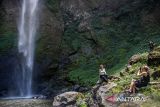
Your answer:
<point x="67" y="99"/>
<point x="79" y="88"/>
<point x="154" y="57"/>
<point x="134" y="59"/>
<point x="155" y="75"/>
<point x="101" y="93"/>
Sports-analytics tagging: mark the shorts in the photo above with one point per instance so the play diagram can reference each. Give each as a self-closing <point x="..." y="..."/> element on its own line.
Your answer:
<point x="140" y="84"/>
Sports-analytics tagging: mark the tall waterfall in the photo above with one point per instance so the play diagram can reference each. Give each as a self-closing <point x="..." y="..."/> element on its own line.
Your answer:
<point x="28" y="25"/>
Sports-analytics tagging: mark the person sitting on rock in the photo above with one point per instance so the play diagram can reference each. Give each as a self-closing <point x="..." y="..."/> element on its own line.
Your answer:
<point x="103" y="75"/>
<point x="143" y="81"/>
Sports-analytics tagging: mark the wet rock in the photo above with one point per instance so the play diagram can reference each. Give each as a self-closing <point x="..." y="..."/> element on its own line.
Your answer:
<point x="67" y="99"/>
<point x="3" y="93"/>
<point x="79" y="88"/>
<point x="39" y="97"/>
<point x="8" y="71"/>
<point x="76" y="87"/>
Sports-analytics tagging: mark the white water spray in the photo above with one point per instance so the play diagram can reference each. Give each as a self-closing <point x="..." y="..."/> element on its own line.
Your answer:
<point x="26" y="44"/>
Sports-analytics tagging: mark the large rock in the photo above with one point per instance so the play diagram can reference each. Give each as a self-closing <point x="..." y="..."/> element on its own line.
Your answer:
<point x="106" y="100"/>
<point x="134" y="59"/>
<point x="154" y="57"/>
<point x="67" y="99"/>
<point x="101" y="93"/>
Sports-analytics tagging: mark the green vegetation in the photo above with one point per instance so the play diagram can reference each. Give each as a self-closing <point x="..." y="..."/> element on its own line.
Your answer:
<point x="7" y="37"/>
<point x="116" y="41"/>
<point x="123" y="84"/>
<point x="81" y="101"/>
<point x="151" y="91"/>
<point x="7" y="43"/>
<point x="84" y="76"/>
<point x="44" y="49"/>
<point x="53" y="5"/>
<point x="111" y="43"/>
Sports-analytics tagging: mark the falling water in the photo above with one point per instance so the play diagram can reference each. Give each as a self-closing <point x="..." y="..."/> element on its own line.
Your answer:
<point x="26" y="44"/>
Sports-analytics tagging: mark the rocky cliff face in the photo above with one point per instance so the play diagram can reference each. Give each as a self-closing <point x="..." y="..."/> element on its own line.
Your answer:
<point x="106" y="32"/>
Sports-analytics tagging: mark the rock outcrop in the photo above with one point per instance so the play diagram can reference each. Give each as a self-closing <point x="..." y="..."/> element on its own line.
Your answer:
<point x="154" y="57"/>
<point x="100" y="93"/>
<point x="134" y="59"/>
<point x="67" y="99"/>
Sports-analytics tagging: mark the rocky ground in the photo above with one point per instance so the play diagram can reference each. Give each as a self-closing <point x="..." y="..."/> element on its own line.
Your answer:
<point x="25" y="103"/>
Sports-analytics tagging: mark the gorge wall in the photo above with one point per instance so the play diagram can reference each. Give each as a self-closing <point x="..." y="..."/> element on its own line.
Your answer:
<point x="76" y="36"/>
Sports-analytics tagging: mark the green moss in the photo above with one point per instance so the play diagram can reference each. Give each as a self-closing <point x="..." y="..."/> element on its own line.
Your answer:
<point x="8" y="36"/>
<point x="116" y="41"/>
<point x="117" y="89"/>
<point x="53" y="5"/>
<point x="81" y="101"/>
<point x="155" y="54"/>
<point x="7" y="43"/>
<point x="144" y="57"/>
<point x="45" y="49"/>
<point x="134" y="69"/>
<point x="84" y="76"/>
<point x="124" y="83"/>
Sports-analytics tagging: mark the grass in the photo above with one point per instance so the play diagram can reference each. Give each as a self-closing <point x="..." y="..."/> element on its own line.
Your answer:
<point x="150" y="103"/>
<point x="123" y="84"/>
<point x="84" y="76"/>
<point x="81" y="101"/>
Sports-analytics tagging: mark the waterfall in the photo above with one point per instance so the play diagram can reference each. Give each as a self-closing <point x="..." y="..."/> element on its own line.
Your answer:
<point x="27" y="28"/>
